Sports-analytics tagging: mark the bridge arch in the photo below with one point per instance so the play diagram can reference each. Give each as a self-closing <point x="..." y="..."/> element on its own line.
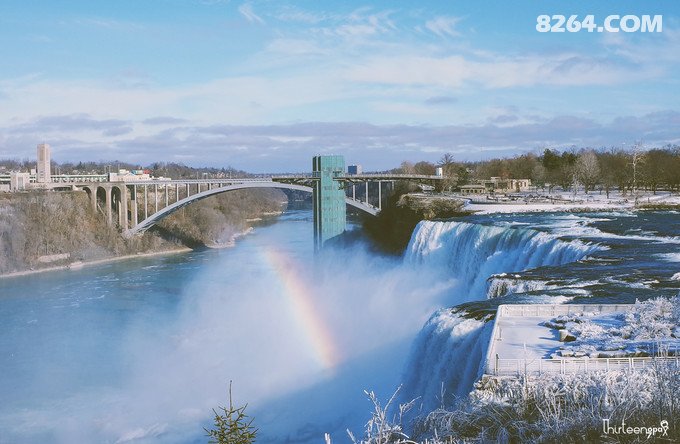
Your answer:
<point x="163" y="213"/>
<point x="109" y="198"/>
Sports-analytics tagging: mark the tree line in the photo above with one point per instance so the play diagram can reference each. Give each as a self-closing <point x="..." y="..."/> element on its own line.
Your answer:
<point x="166" y="169"/>
<point x="605" y="169"/>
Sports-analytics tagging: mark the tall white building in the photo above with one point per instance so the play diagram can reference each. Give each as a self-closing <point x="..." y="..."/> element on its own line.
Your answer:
<point x="44" y="170"/>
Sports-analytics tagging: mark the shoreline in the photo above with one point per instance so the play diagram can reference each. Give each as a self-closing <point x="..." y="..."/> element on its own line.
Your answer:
<point x="77" y="265"/>
<point x="591" y="203"/>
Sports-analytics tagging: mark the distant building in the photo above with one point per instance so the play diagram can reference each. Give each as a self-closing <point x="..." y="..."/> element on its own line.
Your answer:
<point x="473" y="189"/>
<point x="496" y="184"/>
<point x="129" y="176"/>
<point x="44" y="169"/>
<point x="520" y="184"/>
<point x="439" y="172"/>
<point x="19" y="181"/>
<point x="354" y="169"/>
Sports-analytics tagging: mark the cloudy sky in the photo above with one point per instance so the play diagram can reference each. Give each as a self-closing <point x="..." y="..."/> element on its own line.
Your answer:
<point x="263" y="85"/>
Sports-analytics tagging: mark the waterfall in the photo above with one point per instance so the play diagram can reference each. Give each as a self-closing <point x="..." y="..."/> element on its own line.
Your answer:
<point x="474" y="252"/>
<point x="503" y="284"/>
<point x="447" y="355"/>
<point x="446" y="359"/>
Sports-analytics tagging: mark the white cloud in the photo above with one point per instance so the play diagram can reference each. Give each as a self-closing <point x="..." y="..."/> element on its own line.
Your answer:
<point x="293" y="14"/>
<point x="497" y="72"/>
<point x="246" y="10"/>
<point x="443" y="26"/>
<point x="366" y="66"/>
<point x="260" y="148"/>
<point x="361" y="23"/>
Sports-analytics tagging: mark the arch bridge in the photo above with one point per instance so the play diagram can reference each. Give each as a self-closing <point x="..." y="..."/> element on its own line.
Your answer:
<point x="138" y="205"/>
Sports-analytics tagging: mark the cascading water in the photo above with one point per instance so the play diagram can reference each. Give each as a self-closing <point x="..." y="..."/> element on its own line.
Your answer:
<point x="474" y="252"/>
<point x="447" y="355"/>
<point x="503" y="285"/>
<point x="446" y="359"/>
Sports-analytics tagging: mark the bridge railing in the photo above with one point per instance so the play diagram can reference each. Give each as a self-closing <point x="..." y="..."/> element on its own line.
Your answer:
<point x="389" y="176"/>
<point x="256" y="178"/>
<point x="195" y="181"/>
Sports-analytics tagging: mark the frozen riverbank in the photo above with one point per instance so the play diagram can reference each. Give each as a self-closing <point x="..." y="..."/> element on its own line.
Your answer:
<point x="568" y="202"/>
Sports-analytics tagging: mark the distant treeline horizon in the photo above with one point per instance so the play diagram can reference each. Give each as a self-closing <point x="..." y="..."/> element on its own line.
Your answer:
<point x="603" y="168"/>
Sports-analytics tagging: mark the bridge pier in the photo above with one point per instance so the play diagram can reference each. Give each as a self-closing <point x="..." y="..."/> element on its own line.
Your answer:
<point x="93" y="197"/>
<point x="133" y="202"/>
<point x="107" y="204"/>
<point x="146" y="201"/>
<point x="123" y="208"/>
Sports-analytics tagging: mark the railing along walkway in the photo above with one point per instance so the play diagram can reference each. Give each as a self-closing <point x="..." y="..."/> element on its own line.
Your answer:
<point x="498" y="366"/>
<point x="511" y="367"/>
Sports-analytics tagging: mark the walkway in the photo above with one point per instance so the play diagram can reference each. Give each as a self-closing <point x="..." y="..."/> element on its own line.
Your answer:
<point x="520" y="344"/>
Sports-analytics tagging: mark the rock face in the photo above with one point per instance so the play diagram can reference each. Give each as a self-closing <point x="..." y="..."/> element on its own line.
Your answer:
<point x="431" y="207"/>
<point x="391" y="230"/>
<point x="61" y="227"/>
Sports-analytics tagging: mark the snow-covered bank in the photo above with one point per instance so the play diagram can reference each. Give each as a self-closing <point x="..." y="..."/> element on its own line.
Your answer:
<point x="568" y="202"/>
<point x="545" y="407"/>
<point x="562" y="408"/>
<point x="650" y="328"/>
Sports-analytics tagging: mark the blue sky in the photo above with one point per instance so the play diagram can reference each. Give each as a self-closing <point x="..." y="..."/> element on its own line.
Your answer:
<point x="264" y="85"/>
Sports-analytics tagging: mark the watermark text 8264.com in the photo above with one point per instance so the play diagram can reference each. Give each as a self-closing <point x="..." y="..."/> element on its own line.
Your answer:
<point x="611" y="23"/>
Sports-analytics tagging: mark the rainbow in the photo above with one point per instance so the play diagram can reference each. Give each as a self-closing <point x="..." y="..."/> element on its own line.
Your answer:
<point x="301" y="300"/>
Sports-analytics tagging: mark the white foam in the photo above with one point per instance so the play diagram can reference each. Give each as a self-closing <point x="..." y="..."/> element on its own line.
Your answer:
<point x="473" y="252"/>
<point x="669" y="257"/>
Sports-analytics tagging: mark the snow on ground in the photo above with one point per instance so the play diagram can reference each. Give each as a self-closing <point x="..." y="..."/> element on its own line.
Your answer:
<point x="530" y="202"/>
<point x="525" y="338"/>
<point x="648" y="327"/>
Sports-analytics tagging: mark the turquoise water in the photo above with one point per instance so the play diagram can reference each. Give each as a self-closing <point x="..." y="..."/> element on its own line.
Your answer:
<point x="142" y="350"/>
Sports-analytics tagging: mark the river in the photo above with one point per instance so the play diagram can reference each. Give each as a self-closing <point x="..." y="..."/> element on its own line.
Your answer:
<point x="142" y="350"/>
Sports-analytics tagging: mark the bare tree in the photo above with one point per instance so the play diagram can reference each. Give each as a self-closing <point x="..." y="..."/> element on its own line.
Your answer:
<point x="636" y="159"/>
<point x="587" y="169"/>
<point x="451" y="171"/>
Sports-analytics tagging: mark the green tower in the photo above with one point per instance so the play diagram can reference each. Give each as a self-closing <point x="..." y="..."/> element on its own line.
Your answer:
<point x="330" y="214"/>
